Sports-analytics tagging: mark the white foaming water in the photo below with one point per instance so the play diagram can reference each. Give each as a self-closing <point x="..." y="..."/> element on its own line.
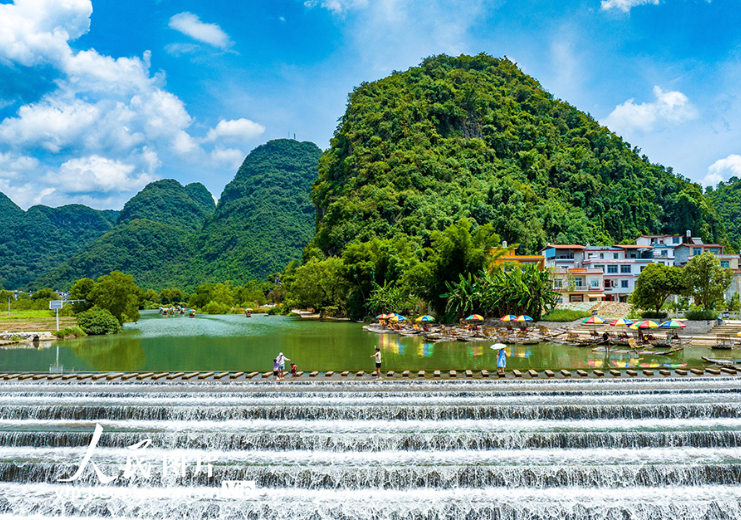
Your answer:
<point x="528" y="450"/>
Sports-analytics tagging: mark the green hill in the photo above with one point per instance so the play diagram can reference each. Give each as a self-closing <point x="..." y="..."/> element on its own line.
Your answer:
<point x="152" y="240"/>
<point x="475" y="137"/>
<point x="171" y="235"/>
<point x="726" y="199"/>
<point x="265" y="217"/>
<point x="168" y="202"/>
<point x="34" y="241"/>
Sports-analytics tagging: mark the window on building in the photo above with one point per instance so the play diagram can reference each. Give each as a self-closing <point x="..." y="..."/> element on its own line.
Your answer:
<point x="713" y="250"/>
<point x="600" y="267"/>
<point x="578" y="282"/>
<point x="696" y="251"/>
<point x="675" y="240"/>
<point x="624" y="284"/>
<point x="601" y="256"/>
<point x="612" y="269"/>
<point x="615" y="256"/>
<point x="594" y="282"/>
<point x="725" y="264"/>
<point x="625" y="269"/>
<point x="632" y="255"/>
<point x="557" y="283"/>
<point x="664" y="252"/>
<point x="643" y="267"/>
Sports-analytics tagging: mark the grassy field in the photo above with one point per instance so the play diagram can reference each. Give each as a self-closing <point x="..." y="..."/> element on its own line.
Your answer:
<point x="33" y="321"/>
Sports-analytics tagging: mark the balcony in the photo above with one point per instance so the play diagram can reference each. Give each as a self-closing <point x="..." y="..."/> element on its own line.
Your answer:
<point x="578" y="288"/>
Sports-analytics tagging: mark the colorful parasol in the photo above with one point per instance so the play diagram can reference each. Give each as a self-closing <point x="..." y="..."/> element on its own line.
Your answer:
<point x="645" y="324"/>
<point x="624" y="322"/>
<point x="522" y="317"/>
<point x="508" y="317"/>
<point x="475" y="317"/>
<point x="596" y="320"/>
<point x="673" y="324"/>
<point x="426" y="317"/>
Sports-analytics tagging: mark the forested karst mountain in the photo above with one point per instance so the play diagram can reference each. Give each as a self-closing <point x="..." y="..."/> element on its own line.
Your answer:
<point x="475" y="137"/>
<point x="726" y="199"/>
<point x="168" y="202"/>
<point x="265" y="216"/>
<point x="152" y="239"/>
<point x="34" y="241"/>
<point x="170" y="235"/>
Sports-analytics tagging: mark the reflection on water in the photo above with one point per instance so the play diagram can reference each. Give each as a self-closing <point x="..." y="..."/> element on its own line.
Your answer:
<point x="236" y="343"/>
<point x="109" y="354"/>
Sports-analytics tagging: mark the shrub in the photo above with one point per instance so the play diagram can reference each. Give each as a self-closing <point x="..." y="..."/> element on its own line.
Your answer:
<point x="565" y="315"/>
<point x="98" y="321"/>
<point x="214" y="307"/>
<point x="75" y="331"/>
<point x="700" y="315"/>
<point x="653" y="315"/>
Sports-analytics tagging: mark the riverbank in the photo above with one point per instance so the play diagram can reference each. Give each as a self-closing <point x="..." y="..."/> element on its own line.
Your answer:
<point x="33" y="321"/>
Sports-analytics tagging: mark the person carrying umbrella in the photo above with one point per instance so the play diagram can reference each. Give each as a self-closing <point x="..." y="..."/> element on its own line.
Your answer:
<point x="501" y="357"/>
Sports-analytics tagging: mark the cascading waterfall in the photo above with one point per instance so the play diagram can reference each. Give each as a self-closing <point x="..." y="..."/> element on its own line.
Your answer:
<point x="397" y="450"/>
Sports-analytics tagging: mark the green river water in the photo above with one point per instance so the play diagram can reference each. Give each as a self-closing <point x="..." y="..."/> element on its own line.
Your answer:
<point x="236" y="343"/>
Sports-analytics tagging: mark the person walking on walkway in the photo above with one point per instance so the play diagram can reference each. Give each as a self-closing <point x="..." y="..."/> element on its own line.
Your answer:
<point x="281" y="365"/>
<point x="377" y="355"/>
<point x="501" y="362"/>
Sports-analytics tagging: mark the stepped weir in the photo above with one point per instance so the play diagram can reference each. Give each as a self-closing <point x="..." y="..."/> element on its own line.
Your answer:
<point x="528" y="449"/>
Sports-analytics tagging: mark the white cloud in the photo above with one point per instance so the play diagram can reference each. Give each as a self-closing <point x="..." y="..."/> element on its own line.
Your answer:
<point x="234" y="130"/>
<point x="178" y="49"/>
<point x="228" y="157"/>
<point x="97" y="174"/>
<point x="722" y="169"/>
<point x="190" y="25"/>
<point x="106" y="124"/>
<point x="337" y="6"/>
<point x="12" y="165"/>
<point x="670" y="108"/>
<point x="393" y="34"/>
<point x="625" y="5"/>
<point x="37" y="31"/>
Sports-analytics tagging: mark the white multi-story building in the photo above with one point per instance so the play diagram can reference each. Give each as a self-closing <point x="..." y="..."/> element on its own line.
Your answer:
<point x="560" y="256"/>
<point x="663" y="246"/>
<point x="686" y="252"/>
<point x="621" y="264"/>
<point x="579" y="284"/>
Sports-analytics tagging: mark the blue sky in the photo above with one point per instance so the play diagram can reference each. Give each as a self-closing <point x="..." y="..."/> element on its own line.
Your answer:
<point x="99" y="98"/>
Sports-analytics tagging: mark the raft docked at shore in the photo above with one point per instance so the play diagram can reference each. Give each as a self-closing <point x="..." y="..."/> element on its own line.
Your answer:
<point x="438" y="333"/>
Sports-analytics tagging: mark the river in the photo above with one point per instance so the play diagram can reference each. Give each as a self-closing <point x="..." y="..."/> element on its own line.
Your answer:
<point x="236" y="343"/>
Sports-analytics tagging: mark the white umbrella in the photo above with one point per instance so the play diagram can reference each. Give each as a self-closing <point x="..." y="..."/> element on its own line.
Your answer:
<point x="498" y="346"/>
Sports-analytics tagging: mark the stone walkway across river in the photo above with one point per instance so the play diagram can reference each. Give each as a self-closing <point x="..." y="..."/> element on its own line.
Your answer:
<point x="267" y="377"/>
